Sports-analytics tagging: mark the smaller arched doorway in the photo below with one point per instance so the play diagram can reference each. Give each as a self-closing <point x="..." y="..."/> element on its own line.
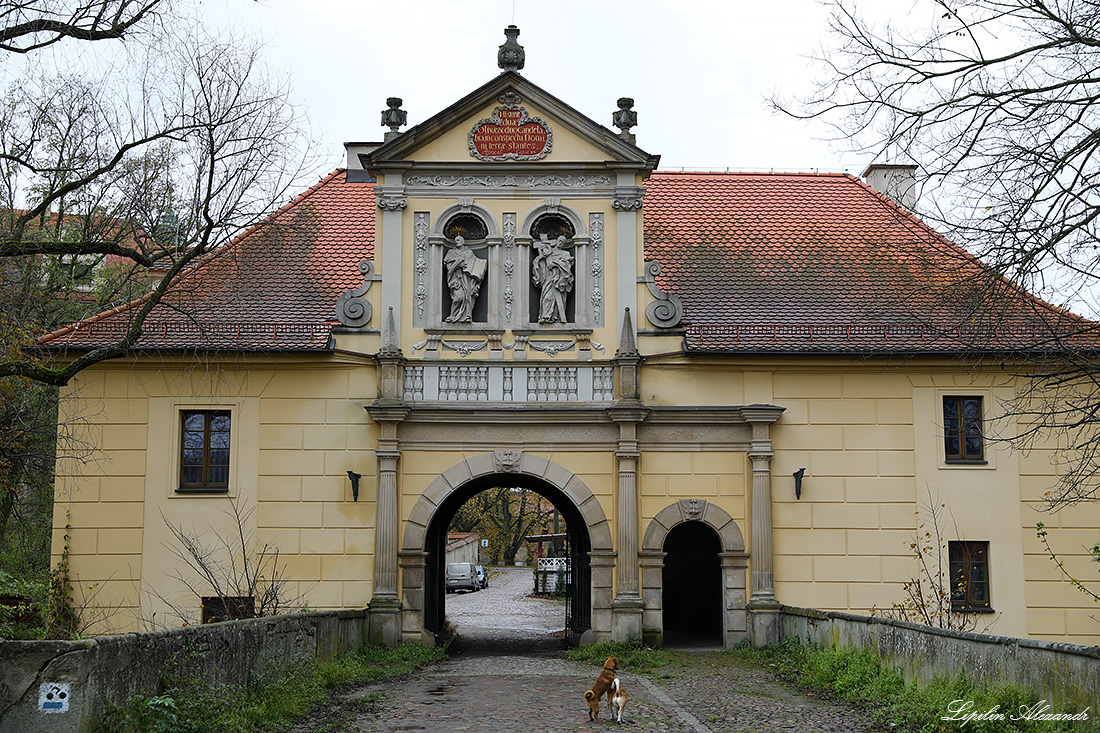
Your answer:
<point x="691" y="583"/>
<point x="704" y="551"/>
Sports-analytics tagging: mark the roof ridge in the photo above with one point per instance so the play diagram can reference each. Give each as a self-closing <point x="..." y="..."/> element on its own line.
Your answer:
<point x="728" y="172"/>
<point x="211" y="256"/>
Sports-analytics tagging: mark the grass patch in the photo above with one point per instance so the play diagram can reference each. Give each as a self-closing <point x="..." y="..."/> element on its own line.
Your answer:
<point x="633" y="656"/>
<point x="271" y="701"/>
<point x="857" y="676"/>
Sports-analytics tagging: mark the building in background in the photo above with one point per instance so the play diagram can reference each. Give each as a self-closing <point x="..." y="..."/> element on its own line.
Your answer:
<point x="738" y="389"/>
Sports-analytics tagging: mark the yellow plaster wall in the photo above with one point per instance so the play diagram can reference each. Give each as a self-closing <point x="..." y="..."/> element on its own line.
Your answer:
<point x="296" y="431"/>
<point x="869" y="436"/>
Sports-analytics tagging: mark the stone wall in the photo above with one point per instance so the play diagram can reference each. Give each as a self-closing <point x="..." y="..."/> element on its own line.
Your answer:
<point x="110" y="669"/>
<point x="1065" y="675"/>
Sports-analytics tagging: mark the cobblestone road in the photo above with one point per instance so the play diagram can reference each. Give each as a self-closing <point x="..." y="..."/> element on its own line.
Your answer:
<point x="504" y="676"/>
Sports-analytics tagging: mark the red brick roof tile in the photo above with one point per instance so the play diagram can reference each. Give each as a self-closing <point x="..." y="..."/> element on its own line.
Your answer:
<point x="823" y="263"/>
<point x="274" y="287"/>
<point x="775" y="263"/>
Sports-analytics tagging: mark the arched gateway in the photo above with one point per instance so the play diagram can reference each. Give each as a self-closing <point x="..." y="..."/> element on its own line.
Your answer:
<point x="422" y="547"/>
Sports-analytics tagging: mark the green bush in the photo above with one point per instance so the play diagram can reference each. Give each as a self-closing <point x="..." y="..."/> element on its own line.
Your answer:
<point x="857" y="675"/>
<point x="34" y="589"/>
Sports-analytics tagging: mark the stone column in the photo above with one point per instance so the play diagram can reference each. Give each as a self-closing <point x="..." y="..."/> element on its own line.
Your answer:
<point x="627" y="607"/>
<point x="386" y="521"/>
<point x="388" y="410"/>
<point x="763" y="605"/>
<point x="627" y="524"/>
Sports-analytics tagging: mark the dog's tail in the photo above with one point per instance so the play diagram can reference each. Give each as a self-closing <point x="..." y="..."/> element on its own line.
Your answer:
<point x="615" y="686"/>
<point x="589" y="695"/>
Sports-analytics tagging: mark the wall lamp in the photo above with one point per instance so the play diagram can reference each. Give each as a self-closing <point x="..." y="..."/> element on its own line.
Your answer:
<point x="797" y="482"/>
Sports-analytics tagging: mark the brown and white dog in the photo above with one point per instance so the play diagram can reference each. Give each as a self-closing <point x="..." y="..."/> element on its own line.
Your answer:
<point x="616" y="700"/>
<point x="602" y="685"/>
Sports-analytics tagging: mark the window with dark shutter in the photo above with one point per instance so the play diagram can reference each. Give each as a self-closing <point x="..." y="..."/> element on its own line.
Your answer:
<point x="962" y="430"/>
<point x="969" y="563"/>
<point x="204" y="454"/>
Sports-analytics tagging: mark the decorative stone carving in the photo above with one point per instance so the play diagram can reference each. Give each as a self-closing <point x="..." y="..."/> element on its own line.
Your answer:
<point x="510" y="134"/>
<point x="509" y="181"/>
<point x="510" y="55"/>
<point x="553" y="273"/>
<point x="509" y="267"/>
<point x="625" y="118"/>
<point x="507" y="461"/>
<point x="628" y="198"/>
<point x="351" y="308"/>
<point x="693" y="508"/>
<point x="667" y="310"/>
<point x="595" y="229"/>
<point x="420" y="260"/>
<point x="393" y="117"/>
<point x="465" y="271"/>
<point x="392" y="203"/>
<point x="509" y="97"/>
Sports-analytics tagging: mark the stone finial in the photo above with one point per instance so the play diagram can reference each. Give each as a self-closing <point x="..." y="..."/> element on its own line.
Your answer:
<point x="394" y="117"/>
<point x="389" y="337"/>
<point x="625" y="118"/>
<point x="510" y="56"/>
<point x="627" y="347"/>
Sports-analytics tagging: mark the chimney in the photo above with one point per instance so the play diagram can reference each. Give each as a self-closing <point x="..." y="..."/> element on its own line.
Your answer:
<point x="896" y="182"/>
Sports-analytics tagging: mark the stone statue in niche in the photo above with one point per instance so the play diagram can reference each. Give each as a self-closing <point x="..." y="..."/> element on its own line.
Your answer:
<point x="553" y="273"/>
<point x="465" y="271"/>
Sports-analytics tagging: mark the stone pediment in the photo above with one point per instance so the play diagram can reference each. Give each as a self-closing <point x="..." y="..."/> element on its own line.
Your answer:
<point x="508" y="120"/>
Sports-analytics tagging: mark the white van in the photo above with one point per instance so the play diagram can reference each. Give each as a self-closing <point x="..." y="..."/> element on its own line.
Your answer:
<point x="462" y="575"/>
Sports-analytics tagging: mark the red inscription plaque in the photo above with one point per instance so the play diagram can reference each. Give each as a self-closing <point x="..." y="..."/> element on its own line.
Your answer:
<point x="510" y="134"/>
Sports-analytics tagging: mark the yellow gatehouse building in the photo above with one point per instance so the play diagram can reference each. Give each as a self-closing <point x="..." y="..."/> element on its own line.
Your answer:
<point x="740" y="390"/>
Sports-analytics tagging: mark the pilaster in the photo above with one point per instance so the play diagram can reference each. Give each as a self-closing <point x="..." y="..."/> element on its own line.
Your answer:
<point x="387" y="411"/>
<point x="763" y="605"/>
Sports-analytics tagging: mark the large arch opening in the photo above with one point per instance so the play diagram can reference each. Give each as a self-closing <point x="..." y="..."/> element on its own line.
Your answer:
<point x="577" y="611"/>
<point x="692" y="586"/>
<point x="423" y="553"/>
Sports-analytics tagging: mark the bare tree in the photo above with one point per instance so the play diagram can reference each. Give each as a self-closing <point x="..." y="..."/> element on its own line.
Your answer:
<point x="28" y="25"/>
<point x="242" y="575"/>
<point x="930" y="594"/>
<point x="505" y="517"/>
<point x="998" y="102"/>
<point x="153" y="161"/>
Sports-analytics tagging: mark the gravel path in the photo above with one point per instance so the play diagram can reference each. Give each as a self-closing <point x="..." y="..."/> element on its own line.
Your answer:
<point x="501" y="619"/>
<point x="504" y="676"/>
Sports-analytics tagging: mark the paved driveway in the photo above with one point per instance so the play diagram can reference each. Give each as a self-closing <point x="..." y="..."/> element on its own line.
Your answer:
<point x="501" y="619"/>
<point x="504" y="676"/>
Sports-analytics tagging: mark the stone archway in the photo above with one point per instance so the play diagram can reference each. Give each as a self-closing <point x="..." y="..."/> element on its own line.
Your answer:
<point x="734" y="561"/>
<point x="418" y="591"/>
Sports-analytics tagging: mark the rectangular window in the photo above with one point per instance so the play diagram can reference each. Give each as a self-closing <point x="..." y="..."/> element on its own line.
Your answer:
<point x="962" y="430"/>
<point x="204" y="454"/>
<point x="969" y="576"/>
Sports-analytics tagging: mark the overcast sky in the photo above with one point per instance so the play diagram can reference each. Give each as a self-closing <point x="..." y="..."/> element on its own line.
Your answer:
<point x="698" y="71"/>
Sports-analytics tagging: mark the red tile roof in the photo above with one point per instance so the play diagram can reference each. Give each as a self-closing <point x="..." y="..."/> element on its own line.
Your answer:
<point x="775" y="263"/>
<point x="274" y="287"/>
<point x="800" y="263"/>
